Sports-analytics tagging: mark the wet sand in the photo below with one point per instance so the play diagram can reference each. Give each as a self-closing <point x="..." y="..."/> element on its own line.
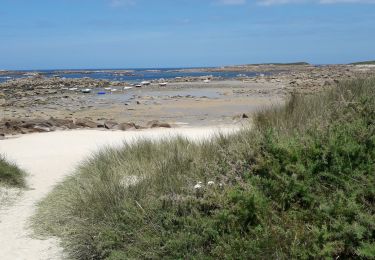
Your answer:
<point x="178" y="104"/>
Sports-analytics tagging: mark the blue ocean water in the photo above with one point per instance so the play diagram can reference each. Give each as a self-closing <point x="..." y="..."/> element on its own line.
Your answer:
<point x="134" y="75"/>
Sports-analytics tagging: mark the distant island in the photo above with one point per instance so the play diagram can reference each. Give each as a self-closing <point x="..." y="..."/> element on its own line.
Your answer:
<point x="284" y="64"/>
<point x="370" y="62"/>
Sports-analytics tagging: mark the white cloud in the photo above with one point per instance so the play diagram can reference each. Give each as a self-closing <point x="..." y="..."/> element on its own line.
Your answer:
<point x="279" y="2"/>
<point x="232" y="2"/>
<point x="283" y="2"/>
<point x="119" y="3"/>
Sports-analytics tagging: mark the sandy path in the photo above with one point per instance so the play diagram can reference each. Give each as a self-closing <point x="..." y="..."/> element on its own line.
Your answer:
<point x="48" y="158"/>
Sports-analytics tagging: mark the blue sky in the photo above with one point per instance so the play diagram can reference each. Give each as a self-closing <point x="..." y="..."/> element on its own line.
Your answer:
<point x="52" y="34"/>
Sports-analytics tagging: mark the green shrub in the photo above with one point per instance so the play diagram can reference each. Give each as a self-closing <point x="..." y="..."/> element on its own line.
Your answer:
<point x="10" y="174"/>
<point x="299" y="184"/>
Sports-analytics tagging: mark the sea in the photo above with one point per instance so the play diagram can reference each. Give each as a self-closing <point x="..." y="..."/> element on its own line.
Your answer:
<point x="131" y="75"/>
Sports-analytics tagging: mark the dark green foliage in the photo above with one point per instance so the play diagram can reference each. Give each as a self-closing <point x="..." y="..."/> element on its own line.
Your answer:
<point x="10" y="174"/>
<point x="299" y="185"/>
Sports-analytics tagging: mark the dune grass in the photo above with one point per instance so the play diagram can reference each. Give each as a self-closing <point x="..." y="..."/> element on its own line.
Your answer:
<point x="299" y="184"/>
<point x="10" y="174"/>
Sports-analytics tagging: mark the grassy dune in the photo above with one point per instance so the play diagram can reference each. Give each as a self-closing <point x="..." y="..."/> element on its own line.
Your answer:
<point x="299" y="184"/>
<point x="10" y="174"/>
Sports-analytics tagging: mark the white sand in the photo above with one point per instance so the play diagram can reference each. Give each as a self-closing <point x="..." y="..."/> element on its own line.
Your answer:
<point x="48" y="158"/>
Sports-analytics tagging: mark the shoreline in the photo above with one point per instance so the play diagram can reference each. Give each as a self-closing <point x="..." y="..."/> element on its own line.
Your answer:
<point x="225" y="128"/>
<point x="189" y="101"/>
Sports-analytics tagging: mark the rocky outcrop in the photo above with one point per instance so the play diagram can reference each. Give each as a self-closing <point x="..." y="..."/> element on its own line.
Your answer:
<point x="53" y="84"/>
<point x="16" y="126"/>
<point x="156" y="124"/>
<point x="128" y="126"/>
<point x="110" y="124"/>
<point x="85" y="123"/>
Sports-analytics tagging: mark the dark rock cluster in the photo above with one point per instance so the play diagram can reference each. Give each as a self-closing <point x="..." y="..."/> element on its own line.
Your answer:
<point x="18" y="126"/>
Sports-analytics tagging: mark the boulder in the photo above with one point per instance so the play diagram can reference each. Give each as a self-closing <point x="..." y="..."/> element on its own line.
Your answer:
<point x="36" y="122"/>
<point x="127" y="126"/>
<point x="64" y="123"/>
<point x="42" y="129"/>
<point x="84" y="122"/>
<point x="110" y="124"/>
<point x="155" y="124"/>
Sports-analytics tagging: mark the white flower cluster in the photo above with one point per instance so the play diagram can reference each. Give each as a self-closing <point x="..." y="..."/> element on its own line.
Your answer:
<point x="199" y="185"/>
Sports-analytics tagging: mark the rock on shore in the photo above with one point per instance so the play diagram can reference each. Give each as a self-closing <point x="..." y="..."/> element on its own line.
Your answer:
<point x="26" y="126"/>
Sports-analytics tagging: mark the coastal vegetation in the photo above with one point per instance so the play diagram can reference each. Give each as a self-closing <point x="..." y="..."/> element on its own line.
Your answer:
<point x="299" y="63"/>
<point x="10" y="174"/>
<point x="298" y="184"/>
<point x="371" y="62"/>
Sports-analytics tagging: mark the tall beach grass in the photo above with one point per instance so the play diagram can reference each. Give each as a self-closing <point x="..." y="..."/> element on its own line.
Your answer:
<point x="300" y="183"/>
<point x="10" y="174"/>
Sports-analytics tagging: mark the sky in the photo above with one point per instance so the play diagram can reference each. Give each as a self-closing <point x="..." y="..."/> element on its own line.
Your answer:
<point x="74" y="34"/>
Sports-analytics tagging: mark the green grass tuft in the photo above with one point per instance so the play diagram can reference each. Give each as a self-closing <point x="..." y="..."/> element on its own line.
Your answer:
<point x="299" y="184"/>
<point x="10" y="174"/>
